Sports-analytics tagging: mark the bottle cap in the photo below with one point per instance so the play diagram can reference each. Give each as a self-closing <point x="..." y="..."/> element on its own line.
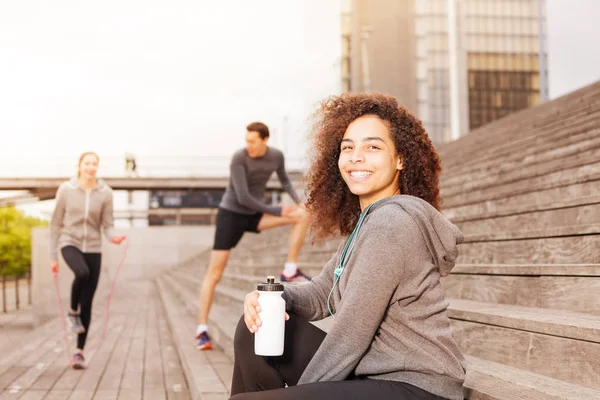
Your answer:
<point x="270" y="285"/>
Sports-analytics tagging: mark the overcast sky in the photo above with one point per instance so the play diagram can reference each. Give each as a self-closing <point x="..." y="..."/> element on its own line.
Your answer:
<point x="573" y="44"/>
<point x="156" y="78"/>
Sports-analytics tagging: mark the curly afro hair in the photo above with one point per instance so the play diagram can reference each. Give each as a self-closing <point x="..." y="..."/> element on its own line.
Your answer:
<point x="334" y="209"/>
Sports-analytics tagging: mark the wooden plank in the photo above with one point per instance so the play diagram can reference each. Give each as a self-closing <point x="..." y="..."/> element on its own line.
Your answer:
<point x="33" y="395"/>
<point x="574" y="145"/>
<point x="127" y="303"/>
<point x="490" y="380"/>
<point x="51" y="374"/>
<point x="516" y="290"/>
<point x="175" y="383"/>
<point x="558" y="323"/>
<point x="86" y="385"/>
<point x="26" y="365"/>
<point x="569" y="360"/>
<point x="69" y="377"/>
<point x="490" y="183"/>
<point x="566" y="177"/>
<point x="557" y="222"/>
<point x="33" y="372"/>
<point x="199" y="373"/>
<point x="31" y="342"/>
<point x="554" y="292"/>
<point x="528" y="145"/>
<point x="592" y="270"/>
<point x="106" y="394"/>
<point x="111" y="379"/>
<point x="561" y="250"/>
<point x="566" y="196"/>
<point x="131" y="384"/>
<point x="10" y="375"/>
<point x="153" y="378"/>
<point x="58" y="395"/>
<point x="578" y="142"/>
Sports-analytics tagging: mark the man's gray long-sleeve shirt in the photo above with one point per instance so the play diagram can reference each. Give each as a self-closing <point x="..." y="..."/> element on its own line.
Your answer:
<point x="248" y="181"/>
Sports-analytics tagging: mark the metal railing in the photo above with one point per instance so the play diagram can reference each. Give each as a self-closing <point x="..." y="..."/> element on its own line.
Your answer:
<point x="15" y="292"/>
<point x="114" y="166"/>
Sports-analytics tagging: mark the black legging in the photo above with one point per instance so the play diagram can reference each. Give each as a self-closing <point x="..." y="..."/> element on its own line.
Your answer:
<point x="86" y="267"/>
<point x="263" y="378"/>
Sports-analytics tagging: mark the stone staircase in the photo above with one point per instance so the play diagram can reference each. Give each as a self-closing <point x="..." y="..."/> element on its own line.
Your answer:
<point x="525" y="304"/>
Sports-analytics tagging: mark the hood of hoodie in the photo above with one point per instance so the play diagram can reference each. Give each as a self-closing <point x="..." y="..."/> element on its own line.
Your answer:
<point x="441" y="236"/>
<point x="100" y="184"/>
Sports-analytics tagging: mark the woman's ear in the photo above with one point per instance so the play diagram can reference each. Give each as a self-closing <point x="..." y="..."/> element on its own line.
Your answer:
<point x="400" y="165"/>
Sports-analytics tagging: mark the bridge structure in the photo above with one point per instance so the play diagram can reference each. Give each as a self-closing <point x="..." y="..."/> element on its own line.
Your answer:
<point x="28" y="189"/>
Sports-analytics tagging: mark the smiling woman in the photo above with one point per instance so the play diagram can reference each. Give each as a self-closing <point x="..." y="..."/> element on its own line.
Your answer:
<point x="374" y="178"/>
<point x="366" y="146"/>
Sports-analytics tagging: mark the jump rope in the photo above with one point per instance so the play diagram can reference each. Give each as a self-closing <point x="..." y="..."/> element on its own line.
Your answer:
<point x="100" y="339"/>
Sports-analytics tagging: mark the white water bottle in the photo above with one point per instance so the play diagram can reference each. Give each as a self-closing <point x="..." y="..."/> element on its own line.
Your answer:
<point x="268" y="340"/>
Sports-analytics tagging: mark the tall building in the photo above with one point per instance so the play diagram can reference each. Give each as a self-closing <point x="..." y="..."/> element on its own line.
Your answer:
<point x="458" y="64"/>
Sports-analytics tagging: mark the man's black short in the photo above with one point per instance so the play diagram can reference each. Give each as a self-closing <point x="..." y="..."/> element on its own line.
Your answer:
<point x="231" y="227"/>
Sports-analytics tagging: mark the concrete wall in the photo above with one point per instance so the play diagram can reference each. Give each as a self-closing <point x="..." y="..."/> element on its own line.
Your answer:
<point x="150" y="252"/>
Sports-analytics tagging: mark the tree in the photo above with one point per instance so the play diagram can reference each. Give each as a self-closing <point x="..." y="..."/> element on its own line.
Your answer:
<point x="15" y="241"/>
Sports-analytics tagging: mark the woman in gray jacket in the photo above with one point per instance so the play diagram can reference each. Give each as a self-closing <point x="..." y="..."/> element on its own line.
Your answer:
<point x="373" y="178"/>
<point x="84" y="207"/>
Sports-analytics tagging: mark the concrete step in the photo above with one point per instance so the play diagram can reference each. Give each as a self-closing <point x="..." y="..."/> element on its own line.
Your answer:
<point x="489" y="380"/>
<point x="208" y="373"/>
<point x="572" y="287"/>
<point x="563" y="345"/>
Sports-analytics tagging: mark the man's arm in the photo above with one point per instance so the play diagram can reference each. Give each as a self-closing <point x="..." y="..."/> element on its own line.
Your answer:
<point x="240" y="185"/>
<point x="286" y="183"/>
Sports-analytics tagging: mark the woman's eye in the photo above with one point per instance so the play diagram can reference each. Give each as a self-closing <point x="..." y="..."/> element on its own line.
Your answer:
<point x="373" y="147"/>
<point x="346" y="148"/>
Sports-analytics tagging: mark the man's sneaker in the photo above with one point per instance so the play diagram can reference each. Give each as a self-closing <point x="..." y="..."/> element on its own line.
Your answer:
<point x="75" y="323"/>
<point x="78" y="361"/>
<point x="203" y="341"/>
<point x="297" y="277"/>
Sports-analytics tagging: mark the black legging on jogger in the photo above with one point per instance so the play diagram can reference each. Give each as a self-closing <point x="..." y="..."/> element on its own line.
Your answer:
<point x="263" y="378"/>
<point x="86" y="267"/>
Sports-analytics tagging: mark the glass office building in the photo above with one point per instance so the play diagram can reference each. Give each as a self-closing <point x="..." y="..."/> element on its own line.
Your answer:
<point x="463" y="63"/>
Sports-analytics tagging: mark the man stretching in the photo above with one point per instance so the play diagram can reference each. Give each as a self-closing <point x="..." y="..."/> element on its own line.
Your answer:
<point x="241" y="210"/>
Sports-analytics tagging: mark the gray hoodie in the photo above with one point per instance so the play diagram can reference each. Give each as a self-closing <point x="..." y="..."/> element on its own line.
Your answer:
<point x="390" y="309"/>
<point x="79" y="216"/>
